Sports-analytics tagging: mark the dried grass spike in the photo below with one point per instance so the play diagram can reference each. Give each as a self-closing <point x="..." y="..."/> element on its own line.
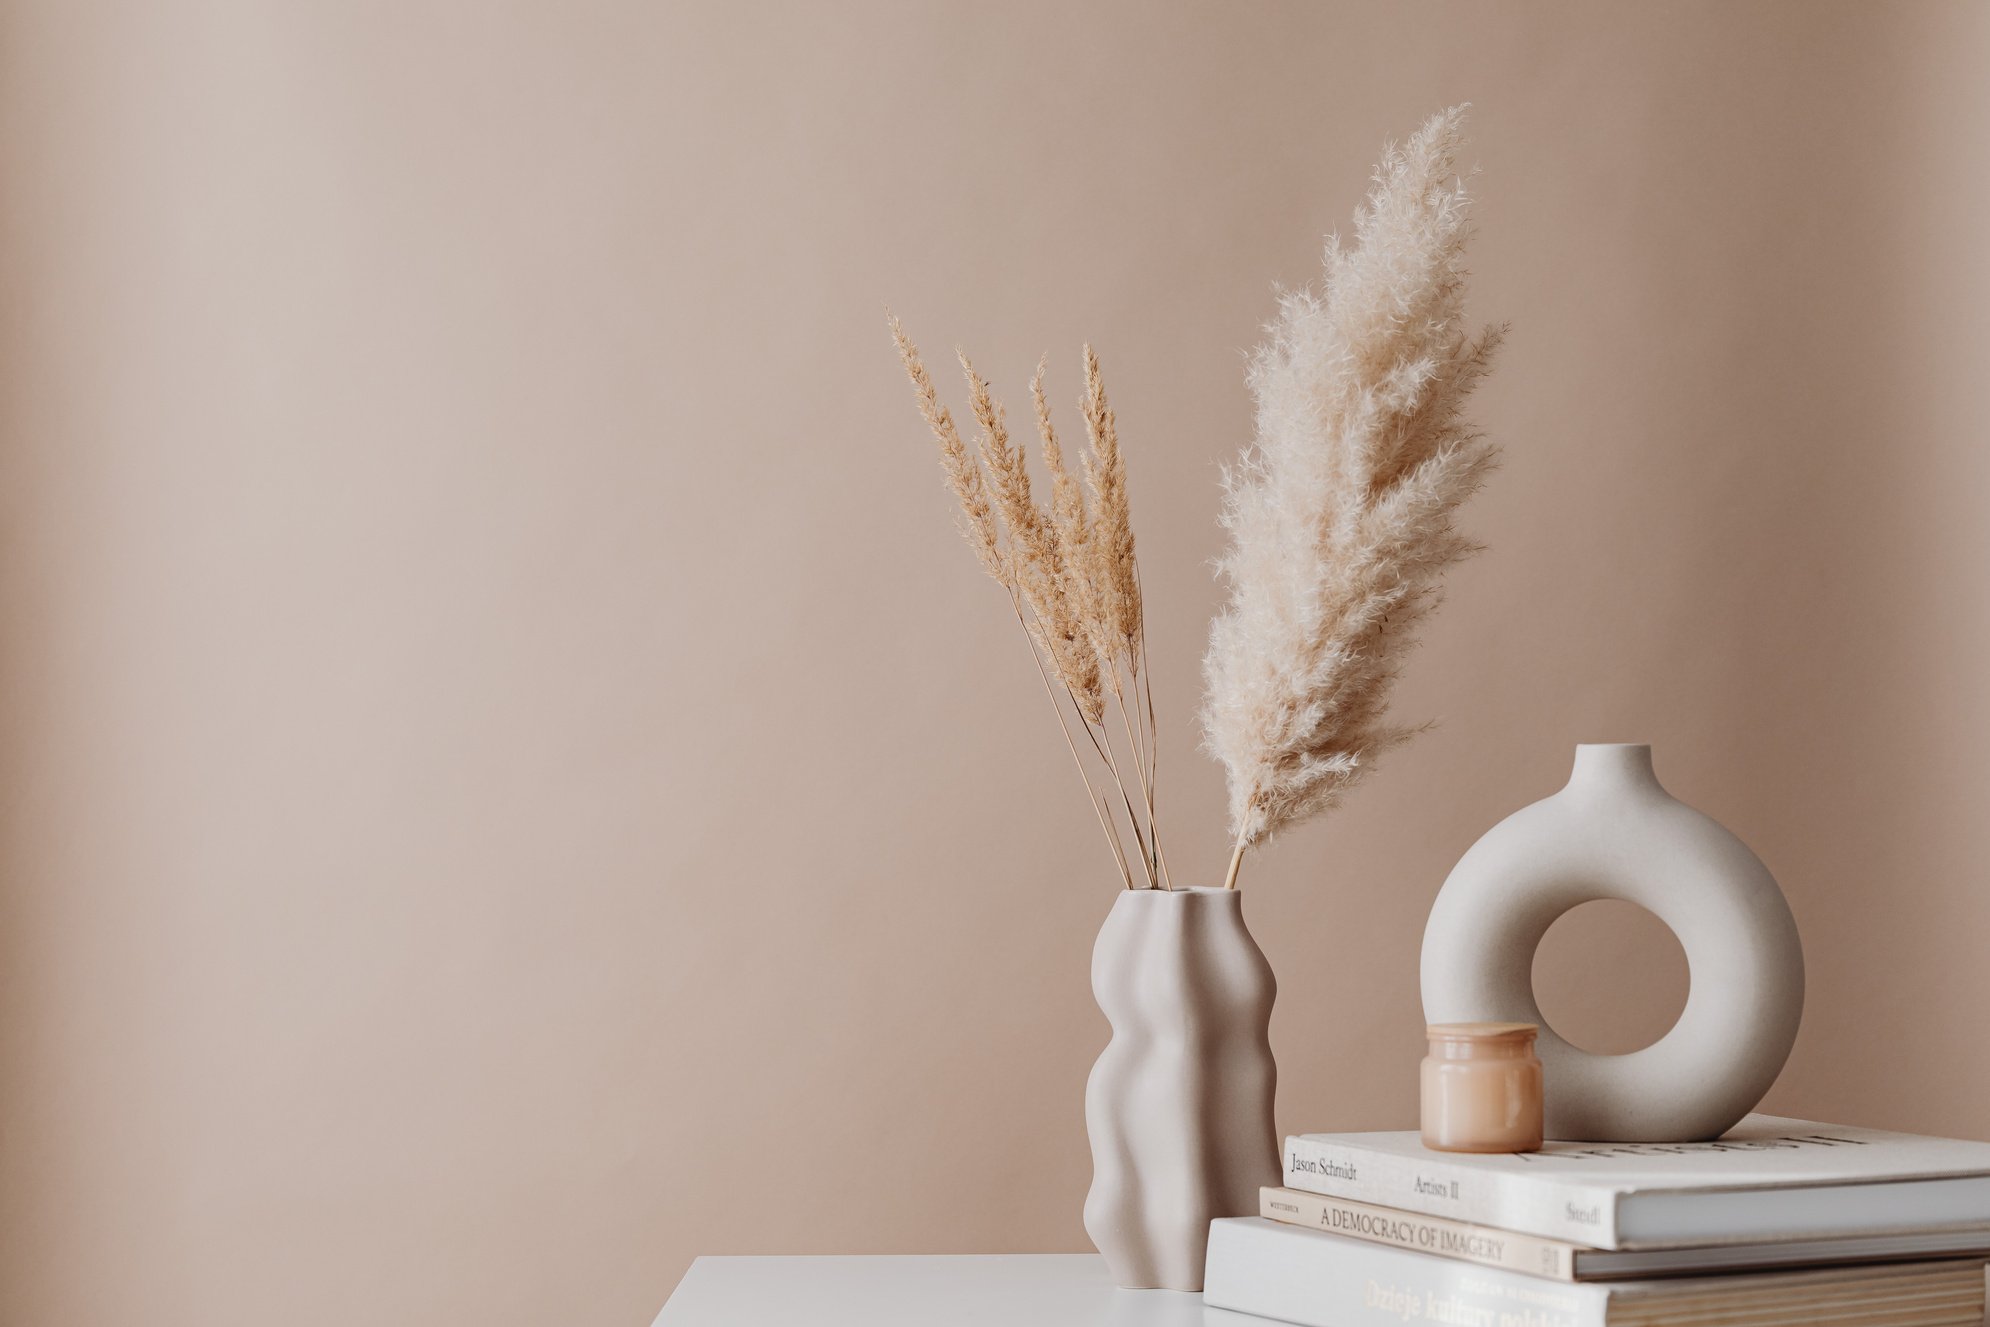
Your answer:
<point x="1039" y="571"/>
<point x="963" y="477"/>
<point x="1111" y="568"/>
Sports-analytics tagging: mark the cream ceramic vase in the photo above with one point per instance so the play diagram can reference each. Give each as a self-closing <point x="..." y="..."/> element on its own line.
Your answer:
<point x="1615" y="833"/>
<point x="1179" y="1105"/>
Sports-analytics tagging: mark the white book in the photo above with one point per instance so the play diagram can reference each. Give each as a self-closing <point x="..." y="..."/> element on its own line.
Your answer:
<point x="1561" y="1260"/>
<point x="1484" y="1245"/>
<point x="1304" y="1276"/>
<point x="1767" y="1179"/>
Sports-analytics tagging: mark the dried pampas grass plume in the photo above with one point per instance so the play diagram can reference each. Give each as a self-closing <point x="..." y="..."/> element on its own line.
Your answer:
<point x="1340" y="512"/>
<point x="1036" y="557"/>
<point x="977" y="521"/>
<point x="1067" y="500"/>
<point x="1071" y="579"/>
<point x="1115" y="581"/>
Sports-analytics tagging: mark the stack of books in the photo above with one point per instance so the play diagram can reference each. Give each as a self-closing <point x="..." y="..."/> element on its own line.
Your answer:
<point x="1778" y="1222"/>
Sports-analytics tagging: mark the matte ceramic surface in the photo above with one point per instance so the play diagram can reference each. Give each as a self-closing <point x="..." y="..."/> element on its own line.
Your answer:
<point x="1614" y="833"/>
<point x="1179" y="1104"/>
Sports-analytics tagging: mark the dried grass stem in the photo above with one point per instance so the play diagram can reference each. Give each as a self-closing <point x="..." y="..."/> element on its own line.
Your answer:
<point x="1072" y="580"/>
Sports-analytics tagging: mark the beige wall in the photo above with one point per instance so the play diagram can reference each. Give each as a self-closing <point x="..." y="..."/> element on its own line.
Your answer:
<point x="509" y="783"/>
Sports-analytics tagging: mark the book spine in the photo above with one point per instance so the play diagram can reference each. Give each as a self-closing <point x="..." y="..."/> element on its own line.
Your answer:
<point x="1421" y="1234"/>
<point x="1433" y="1187"/>
<point x="1319" y="1280"/>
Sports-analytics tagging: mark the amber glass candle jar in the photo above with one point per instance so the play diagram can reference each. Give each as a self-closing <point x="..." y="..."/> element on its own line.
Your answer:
<point x="1482" y="1088"/>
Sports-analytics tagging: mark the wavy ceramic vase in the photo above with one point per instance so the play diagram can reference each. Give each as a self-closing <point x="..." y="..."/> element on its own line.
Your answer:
<point x="1179" y="1104"/>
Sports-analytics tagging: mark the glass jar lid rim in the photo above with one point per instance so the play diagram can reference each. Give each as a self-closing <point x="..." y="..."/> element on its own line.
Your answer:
<point x="1482" y="1031"/>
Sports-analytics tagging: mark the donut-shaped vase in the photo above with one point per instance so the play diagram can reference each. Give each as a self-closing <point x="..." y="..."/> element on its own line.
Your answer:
<point x="1614" y="833"/>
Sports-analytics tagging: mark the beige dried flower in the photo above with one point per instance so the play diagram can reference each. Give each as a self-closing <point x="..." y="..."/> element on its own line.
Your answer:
<point x="1071" y="578"/>
<point x="1067" y="499"/>
<point x="1341" y="511"/>
<point x="1039" y="565"/>
<point x="1117" y="617"/>
<point x="977" y="521"/>
<point x="1341" y="516"/>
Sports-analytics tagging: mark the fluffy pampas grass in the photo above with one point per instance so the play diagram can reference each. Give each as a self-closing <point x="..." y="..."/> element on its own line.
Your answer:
<point x="1341" y="511"/>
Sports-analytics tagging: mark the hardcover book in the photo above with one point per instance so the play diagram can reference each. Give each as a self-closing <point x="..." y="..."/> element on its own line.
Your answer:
<point x="1561" y="1260"/>
<point x="1768" y="1179"/>
<point x="1319" y="1280"/>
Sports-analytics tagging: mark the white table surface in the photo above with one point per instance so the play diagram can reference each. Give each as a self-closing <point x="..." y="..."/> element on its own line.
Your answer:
<point x="971" y="1290"/>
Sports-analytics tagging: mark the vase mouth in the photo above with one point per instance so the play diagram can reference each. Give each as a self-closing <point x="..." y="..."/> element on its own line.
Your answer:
<point x="1612" y="763"/>
<point x="1186" y="891"/>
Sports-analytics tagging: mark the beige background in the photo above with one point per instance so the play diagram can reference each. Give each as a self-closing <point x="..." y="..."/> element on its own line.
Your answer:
<point x="510" y="784"/>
